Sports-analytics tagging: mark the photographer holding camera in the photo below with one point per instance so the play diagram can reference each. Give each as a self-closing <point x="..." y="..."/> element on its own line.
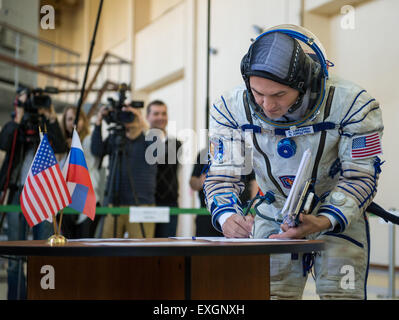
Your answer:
<point x="20" y="139"/>
<point x="131" y="180"/>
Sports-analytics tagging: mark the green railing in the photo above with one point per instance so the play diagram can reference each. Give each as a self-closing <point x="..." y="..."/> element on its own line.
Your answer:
<point x="121" y="210"/>
<point x="113" y="210"/>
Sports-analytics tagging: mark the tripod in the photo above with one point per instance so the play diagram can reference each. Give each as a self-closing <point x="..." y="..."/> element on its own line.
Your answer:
<point x="117" y="158"/>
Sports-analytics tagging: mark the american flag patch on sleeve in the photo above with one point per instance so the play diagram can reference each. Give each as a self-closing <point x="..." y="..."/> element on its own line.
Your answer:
<point x="366" y="146"/>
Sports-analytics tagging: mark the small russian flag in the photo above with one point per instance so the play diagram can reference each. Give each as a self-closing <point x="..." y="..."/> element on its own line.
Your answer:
<point x="78" y="180"/>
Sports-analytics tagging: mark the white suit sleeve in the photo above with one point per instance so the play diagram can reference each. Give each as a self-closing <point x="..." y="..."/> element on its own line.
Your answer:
<point x="359" y="146"/>
<point x="223" y="184"/>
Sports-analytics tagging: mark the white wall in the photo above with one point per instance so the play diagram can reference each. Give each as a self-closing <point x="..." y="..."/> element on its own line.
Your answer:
<point x="159" y="53"/>
<point x="160" y="7"/>
<point x="232" y="30"/>
<point x="369" y="56"/>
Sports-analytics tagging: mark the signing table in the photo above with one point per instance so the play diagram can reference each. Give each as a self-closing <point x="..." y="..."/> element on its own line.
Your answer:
<point x="156" y="269"/>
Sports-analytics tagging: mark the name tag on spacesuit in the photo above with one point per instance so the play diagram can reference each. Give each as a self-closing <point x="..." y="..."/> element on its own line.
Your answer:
<point x="294" y="132"/>
<point x="149" y="214"/>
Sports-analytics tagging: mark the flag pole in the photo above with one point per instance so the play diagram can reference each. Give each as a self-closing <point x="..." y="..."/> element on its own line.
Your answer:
<point x="55" y="226"/>
<point x="60" y="223"/>
<point x="62" y="210"/>
<point x="56" y="238"/>
<point x="51" y="239"/>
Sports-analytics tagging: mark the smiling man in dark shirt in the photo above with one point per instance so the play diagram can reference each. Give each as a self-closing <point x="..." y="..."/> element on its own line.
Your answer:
<point x="167" y="189"/>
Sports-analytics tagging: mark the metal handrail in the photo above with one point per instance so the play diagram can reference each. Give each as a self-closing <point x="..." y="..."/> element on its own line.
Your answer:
<point x="80" y="64"/>
<point x="41" y="40"/>
<point x="29" y="66"/>
<point x="48" y="68"/>
<point x="103" y="61"/>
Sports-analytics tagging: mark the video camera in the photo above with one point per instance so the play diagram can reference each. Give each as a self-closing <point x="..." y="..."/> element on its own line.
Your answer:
<point x="35" y="100"/>
<point x="115" y="114"/>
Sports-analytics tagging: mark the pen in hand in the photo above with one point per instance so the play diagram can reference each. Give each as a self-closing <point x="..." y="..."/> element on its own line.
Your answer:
<point x="243" y="216"/>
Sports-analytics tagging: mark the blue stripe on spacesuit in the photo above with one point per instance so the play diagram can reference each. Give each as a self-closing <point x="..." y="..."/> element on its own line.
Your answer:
<point x="223" y="124"/>
<point x="353" y="170"/>
<point x="365" y="200"/>
<point x="351" y="186"/>
<point x="336" y="210"/>
<point x="355" y="242"/>
<point x="355" y="113"/>
<point x="215" y="217"/>
<point x="224" y="116"/>
<point x="358" y="185"/>
<point x="205" y="196"/>
<point x="216" y="212"/>
<point x="322" y="126"/>
<point x="350" y="192"/>
<point x="348" y="123"/>
<point x="211" y="183"/>
<point x="336" y="216"/>
<point x="225" y="105"/>
<point x="205" y="169"/>
<point x="224" y="187"/>
<point x="370" y="193"/>
<point x="371" y="187"/>
<point x="343" y="119"/>
<point x="360" y="177"/>
<point x="223" y="176"/>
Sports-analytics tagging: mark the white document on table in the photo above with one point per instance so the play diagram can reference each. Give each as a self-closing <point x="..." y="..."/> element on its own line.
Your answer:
<point x="248" y="240"/>
<point x="224" y="239"/>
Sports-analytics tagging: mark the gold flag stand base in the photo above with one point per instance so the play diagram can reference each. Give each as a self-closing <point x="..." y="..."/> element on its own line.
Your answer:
<point x="57" y="240"/>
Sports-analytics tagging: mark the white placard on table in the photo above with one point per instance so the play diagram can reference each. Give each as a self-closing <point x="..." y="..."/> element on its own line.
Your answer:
<point x="149" y="214"/>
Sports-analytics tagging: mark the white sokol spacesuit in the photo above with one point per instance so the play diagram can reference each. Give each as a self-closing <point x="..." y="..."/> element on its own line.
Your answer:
<point x="341" y="126"/>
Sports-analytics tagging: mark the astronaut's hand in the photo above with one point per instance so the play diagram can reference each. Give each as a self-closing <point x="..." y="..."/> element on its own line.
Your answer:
<point x="309" y="224"/>
<point x="237" y="226"/>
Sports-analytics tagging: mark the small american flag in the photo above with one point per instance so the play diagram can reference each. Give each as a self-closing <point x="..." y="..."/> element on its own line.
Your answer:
<point x="366" y="146"/>
<point x="45" y="191"/>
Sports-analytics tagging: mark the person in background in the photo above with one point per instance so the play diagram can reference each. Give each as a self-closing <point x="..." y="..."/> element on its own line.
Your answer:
<point x="78" y="226"/>
<point x="134" y="180"/>
<point x="167" y="189"/>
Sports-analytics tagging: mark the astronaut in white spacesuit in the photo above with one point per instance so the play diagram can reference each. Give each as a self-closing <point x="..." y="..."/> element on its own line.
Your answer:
<point x="289" y="104"/>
